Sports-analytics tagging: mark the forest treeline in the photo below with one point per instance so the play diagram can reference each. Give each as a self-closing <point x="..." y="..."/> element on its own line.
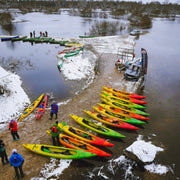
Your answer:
<point x="86" y="8"/>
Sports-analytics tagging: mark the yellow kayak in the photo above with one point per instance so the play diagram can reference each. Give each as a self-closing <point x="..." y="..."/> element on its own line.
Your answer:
<point x="73" y="44"/>
<point x="31" y="107"/>
<point x="58" y="152"/>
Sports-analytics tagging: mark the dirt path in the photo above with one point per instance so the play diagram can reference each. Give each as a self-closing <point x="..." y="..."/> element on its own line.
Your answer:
<point x="32" y="131"/>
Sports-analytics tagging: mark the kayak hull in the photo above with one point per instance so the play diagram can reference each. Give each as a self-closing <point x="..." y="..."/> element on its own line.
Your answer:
<point x="123" y="112"/>
<point x="42" y="110"/>
<point x="96" y="127"/>
<point x="74" y="143"/>
<point x="113" y="115"/>
<point x="125" y="93"/>
<point x="122" y="101"/>
<point x="110" y="121"/>
<point x="31" y="107"/>
<point x="58" y="152"/>
<point x="84" y="136"/>
<point x="115" y="104"/>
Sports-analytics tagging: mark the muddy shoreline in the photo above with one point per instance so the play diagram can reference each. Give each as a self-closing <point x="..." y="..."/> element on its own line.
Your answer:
<point x="34" y="132"/>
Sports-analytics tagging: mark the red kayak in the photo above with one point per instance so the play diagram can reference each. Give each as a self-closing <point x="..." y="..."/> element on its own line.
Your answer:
<point x="42" y="107"/>
<point x="84" y="136"/>
<point x="125" y="93"/>
<point x="121" y="111"/>
<point x="74" y="143"/>
<point x="110" y="121"/>
<point x="133" y="100"/>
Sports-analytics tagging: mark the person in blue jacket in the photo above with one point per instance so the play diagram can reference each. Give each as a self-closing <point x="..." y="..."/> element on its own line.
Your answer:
<point x="17" y="161"/>
<point x="54" y="110"/>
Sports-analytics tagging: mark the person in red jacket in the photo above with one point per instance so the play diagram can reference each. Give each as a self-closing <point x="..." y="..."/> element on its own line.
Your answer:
<point x="13" y="128"/>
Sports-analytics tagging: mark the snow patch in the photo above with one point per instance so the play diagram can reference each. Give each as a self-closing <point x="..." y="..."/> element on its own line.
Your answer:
<point x="156" y="168"/>
<point x="53" y="169"/>
<point x="145" y="151"/>
<point x="80" y="66"/>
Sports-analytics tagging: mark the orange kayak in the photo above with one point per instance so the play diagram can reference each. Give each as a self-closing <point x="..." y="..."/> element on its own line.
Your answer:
<point x="124" y="93"/>
<point x="110" y="121"/>
<point x="121" y="111"/>
<point x="84" y="136"/>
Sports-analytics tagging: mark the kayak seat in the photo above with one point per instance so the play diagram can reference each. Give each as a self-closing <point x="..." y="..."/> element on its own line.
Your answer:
<point x="83" y="146"/>
<point x="45" y="149"/>
<point x="100" y="116"/>
<point x="66" y="152"/>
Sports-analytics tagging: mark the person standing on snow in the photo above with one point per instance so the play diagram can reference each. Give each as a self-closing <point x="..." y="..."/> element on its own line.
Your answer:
<point x="3" y="152"/>
<point x="55" y="131"/>
<point x="54" y="110"/>
<point x="17" y="161"/>
<point x="13" y="128"/>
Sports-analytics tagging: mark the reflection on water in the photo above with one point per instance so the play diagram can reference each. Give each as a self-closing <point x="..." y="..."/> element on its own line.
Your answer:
<point x="44" y="76"/>
<point x="37" y="66"/>
<point x="162" y="88"/>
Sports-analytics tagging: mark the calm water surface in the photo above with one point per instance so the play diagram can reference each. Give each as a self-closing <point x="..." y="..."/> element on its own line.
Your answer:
<point x="163" y="88"/>
<point x="37" y="68"/>
<point x="37" y="63"/>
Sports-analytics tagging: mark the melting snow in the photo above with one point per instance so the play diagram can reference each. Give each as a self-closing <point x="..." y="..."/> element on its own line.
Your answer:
<point x="53" y="169"/>
<point x="145" y="151"/>
<point x="14" y="99"/>
<point x="156" y="168"/>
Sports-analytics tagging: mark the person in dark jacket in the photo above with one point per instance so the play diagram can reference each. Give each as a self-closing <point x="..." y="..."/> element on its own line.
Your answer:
<point x="34" y="34"/>
<point x="54" y="110"/>
<point x="55" y="131"/>
<point x="13" y="128"/>
<point x="3" y="154"/>
<point x="17" y="161"/>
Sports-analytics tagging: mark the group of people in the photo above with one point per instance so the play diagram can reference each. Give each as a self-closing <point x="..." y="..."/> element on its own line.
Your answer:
<point x="42" y="34"/>
<point x="55" y="129"/>
<point x="16" y="160"/>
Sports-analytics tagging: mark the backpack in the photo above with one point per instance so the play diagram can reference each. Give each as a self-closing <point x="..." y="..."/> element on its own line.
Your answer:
<point x="15" y="159"/>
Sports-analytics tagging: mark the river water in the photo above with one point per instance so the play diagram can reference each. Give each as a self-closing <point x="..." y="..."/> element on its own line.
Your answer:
<point x="161" y="89"/>
<point x="37" y="63"/>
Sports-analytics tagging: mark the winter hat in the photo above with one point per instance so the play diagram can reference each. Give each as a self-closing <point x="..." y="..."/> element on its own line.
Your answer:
<point x="12" y="120"/>
<point x="14" y="151"/>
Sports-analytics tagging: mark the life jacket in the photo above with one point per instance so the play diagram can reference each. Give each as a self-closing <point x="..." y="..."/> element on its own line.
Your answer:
<point x="54" y="129"/>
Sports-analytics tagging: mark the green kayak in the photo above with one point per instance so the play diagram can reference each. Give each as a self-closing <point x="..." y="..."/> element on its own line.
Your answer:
<point x="19" y="38"/>
<point x="122" y="101"/>
<point x="113" y="103"/>
<point x="120" y="117"/>
<point x="58" y="152"/>
<point x="90" y="36"/>
<point x="96" y="127"/>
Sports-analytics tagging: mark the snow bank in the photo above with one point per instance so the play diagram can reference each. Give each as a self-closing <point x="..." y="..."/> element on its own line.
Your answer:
<point x="80" y="66"/>
<point x="145" y="151"/>
<point x="111" y="44"/>
<point x="14" y="99"/>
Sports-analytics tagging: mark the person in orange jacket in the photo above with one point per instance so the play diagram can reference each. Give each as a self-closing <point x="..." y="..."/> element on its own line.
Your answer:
<point x="13" y="128"/>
